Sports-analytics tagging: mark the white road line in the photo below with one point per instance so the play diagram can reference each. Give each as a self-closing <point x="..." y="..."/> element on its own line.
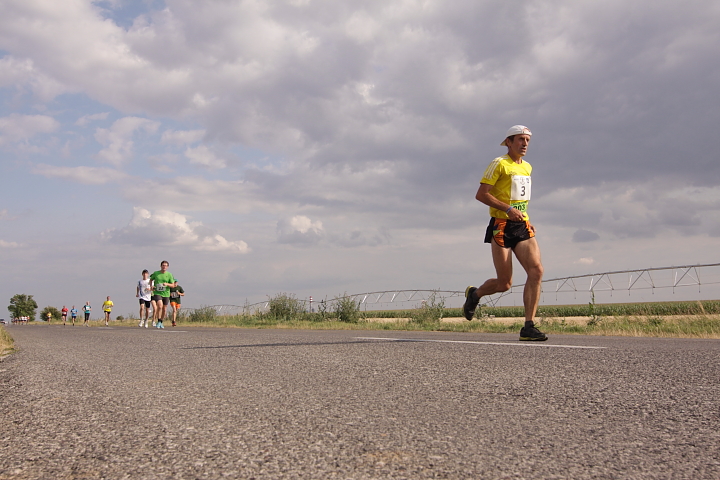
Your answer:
<point x="524" y="344"/>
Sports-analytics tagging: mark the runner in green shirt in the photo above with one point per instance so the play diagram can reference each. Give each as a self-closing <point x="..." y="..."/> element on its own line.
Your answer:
<point x="161" y="281"/>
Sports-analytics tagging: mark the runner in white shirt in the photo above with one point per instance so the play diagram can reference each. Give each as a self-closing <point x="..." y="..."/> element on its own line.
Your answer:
<point x="144" y="292"/>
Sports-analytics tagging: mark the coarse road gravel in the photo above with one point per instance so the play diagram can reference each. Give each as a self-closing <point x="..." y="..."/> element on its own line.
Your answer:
<point x="196" y="403"/>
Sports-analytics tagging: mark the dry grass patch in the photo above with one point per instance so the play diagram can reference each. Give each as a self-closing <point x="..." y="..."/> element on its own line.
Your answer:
<point x="671" y="326"/>
<point x="7" y="345"/>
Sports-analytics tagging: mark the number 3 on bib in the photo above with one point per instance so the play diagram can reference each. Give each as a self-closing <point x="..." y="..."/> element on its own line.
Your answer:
<point x="520" y="188"/>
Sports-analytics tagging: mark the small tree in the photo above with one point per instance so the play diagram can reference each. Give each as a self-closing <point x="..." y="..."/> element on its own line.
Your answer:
<point x="22" y="305"/>
<point x="285" y="307"/>
<point x="54" y="312"/>
<point x="431" y="310"/>
<point x="204" y="314"/>
<point x="346" y="309"/>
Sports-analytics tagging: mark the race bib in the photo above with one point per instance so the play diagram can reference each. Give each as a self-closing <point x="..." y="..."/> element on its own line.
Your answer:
<point x="521" y="206"/>
<point x="159" y="288"/>
<point x="520" y="189"/>
<point x="174" y="294"/>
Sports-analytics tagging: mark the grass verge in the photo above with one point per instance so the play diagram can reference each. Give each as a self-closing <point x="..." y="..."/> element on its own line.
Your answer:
<point x="661" y="319"/>
<point x="7" y="345"/>
<point x="682" y="326"/>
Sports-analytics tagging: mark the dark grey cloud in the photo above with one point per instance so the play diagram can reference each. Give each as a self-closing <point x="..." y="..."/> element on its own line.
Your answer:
<point x="358" y="238"/>
<point x="609" y="90"/>
<point x="582" y="236"/>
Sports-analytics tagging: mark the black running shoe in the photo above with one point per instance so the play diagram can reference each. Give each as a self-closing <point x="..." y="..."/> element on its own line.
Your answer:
<point x="471" y="303"/>
<point x="532" y="334"/>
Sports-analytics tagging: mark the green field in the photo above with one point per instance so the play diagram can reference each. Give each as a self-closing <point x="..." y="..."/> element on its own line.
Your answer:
<point x="706" y="307"/>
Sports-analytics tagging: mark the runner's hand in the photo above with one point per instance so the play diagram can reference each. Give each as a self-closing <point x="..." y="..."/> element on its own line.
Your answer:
<point x="516" y="215"/>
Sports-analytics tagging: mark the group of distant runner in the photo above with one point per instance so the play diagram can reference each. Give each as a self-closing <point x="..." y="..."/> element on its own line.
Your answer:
<point x="86" y="310"/>
<point x="157" y="291"/>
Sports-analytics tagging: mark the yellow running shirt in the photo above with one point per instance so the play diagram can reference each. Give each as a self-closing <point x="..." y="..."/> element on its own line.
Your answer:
<point x="511" y="184"/>
<point x="107" y="306"/>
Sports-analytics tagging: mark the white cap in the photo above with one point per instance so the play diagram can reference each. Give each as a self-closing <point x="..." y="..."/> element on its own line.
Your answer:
<point x="516" y="130"/>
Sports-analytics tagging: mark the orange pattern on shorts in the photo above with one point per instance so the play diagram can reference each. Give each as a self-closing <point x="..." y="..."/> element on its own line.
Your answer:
<point x="500" y="227"/>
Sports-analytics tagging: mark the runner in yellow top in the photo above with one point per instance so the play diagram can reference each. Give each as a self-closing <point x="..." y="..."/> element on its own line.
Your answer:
<point x="505" y="188"/>
<point x="107" y="308"/>
<point x="510" y="184"/>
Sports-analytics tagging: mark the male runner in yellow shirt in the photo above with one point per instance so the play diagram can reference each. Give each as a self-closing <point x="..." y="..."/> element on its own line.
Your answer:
<point x="505" y="188"/>
<point x="107" y="308"/>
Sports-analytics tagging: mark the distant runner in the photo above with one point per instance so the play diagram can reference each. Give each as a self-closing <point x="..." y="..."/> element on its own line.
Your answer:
<point x="86" y="310"/>
<point x="143" y="291"/>
<point x="73" y="314"/>
<point x="176" y="294"/>
<point x="64" y="313"/>
<point x="107" y="308"/>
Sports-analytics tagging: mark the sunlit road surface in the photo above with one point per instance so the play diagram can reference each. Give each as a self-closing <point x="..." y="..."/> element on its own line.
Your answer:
<point x="192" y="403"/>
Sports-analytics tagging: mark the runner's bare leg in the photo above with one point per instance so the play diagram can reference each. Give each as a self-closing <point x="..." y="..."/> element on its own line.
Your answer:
<point x="528" y="254"/>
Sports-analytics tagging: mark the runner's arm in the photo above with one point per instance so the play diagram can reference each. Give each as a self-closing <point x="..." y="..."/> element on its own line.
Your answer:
<point x="483" y="195"/>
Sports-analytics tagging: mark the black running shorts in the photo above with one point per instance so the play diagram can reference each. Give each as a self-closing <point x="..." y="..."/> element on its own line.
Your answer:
<point x="508" y="233"/>
<point x="165" y="300"/>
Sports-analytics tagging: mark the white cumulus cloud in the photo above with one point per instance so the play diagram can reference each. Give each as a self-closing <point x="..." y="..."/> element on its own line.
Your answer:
<point x="85" y="119"/>
<point x="19" y="128"/>
<point x="165" y="227"/>
<point x="4" y="244"/>
<point x="82" y="174"/>
<point x="22" y="74"/>
<point x="204" y="157"/>
<point x="585" y="261"/>
<point x="182" y="137"/>
<point x="299" y="230"/>
<point x="118" y="139"/>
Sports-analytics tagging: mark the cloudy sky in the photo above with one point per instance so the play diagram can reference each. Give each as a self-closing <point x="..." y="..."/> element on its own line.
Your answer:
<point x="320" y="147"/>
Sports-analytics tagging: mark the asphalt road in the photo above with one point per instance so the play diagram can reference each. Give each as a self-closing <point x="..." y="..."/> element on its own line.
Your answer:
<point x="192" y="403"/>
